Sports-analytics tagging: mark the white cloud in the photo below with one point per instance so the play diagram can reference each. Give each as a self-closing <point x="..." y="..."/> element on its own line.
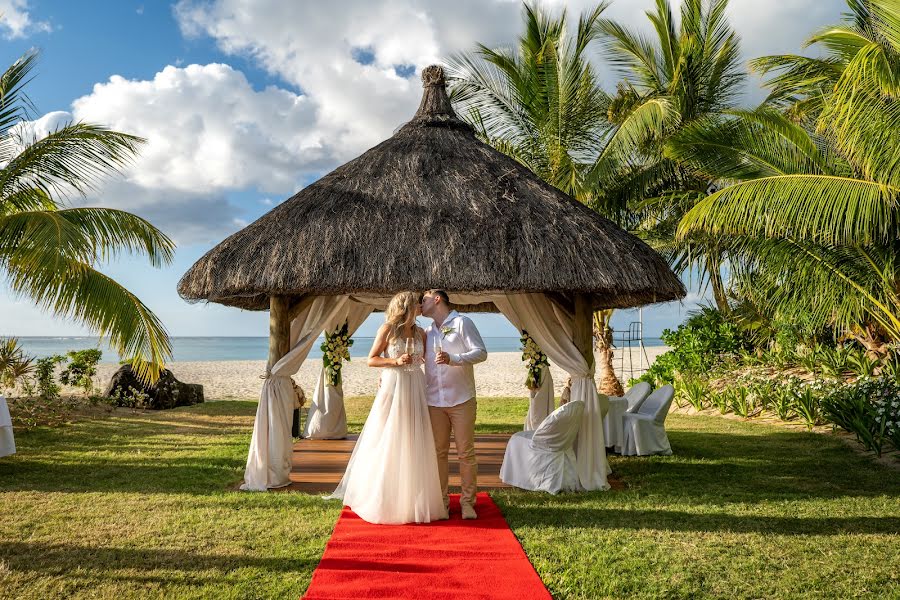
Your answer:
<point x="208" y="130"/>
<point x="318" y="47"/>
<point x="16" y="21"/>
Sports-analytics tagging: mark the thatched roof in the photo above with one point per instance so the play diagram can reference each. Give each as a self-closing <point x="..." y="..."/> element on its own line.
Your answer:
<point x="432" y="206"/>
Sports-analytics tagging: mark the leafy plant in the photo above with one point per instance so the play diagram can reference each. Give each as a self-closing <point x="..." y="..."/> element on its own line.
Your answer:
<point x="130" y="398"/>
<point x="81" y="369"/>
<point x="721" y="400"/>
<point x="782" y="402"/>
<point x="806" y="405"/>
<point x="695" y="392"/>
<point x="868" y="408"/>
<point x="45" y="378"/>
<point x="740" y="401"/>
<point x="699" y="344"/>
<point x="861" y="364"/>
<point x="836" y="361"/>
<point x="15" y="366"/>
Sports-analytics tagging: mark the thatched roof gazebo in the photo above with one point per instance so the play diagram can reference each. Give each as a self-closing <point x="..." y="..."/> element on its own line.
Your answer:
<point x="431" y="207"/>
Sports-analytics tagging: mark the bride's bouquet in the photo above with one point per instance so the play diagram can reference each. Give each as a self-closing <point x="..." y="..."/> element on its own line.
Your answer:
<point x="535" y="360"/>
<point x="335" y="350"/>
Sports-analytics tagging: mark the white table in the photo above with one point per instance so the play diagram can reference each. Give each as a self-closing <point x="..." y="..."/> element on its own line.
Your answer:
<point x="7" y="443"/>
<point x="613" y="426"/>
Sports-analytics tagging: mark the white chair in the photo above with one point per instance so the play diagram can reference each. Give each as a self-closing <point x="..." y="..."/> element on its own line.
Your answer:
<point x="636" y="395"/>
<point x="645" y="431"/>
<point x="613" y="421"/>
<point x="544" y="459"/>
<point x="7" y="443"/>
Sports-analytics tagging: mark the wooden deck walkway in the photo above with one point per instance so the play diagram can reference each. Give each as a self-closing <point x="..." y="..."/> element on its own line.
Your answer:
<point x="318" y="465"/>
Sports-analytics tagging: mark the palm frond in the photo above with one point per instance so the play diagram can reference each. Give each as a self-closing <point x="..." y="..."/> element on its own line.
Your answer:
<point x="73" y="289"/>
<point x="824" y="209"/>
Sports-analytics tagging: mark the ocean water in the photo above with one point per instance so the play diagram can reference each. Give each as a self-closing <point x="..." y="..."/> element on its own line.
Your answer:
<point x="227" y="348"/>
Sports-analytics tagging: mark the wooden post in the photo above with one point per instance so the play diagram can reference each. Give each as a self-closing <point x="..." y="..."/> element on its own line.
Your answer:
<point x="583" y="328"/>
<point x="279" y="328"/>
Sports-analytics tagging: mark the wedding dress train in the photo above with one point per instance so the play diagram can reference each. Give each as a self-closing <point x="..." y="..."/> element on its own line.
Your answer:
<point x="392" y="476"/>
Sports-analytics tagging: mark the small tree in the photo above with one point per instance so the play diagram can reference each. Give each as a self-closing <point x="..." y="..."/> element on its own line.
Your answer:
<point x="81" y="369"/>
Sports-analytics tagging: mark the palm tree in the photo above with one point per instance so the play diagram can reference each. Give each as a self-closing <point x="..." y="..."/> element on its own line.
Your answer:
<point x="816" y="176"/>
<point x="541" y="103"/>
<point x="684" y="73"/>
<point x="49" y="249"/>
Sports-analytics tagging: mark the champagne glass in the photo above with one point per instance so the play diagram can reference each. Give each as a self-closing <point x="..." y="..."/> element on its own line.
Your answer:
<point x="438" y="346"/>
<point x="411" y="350"/>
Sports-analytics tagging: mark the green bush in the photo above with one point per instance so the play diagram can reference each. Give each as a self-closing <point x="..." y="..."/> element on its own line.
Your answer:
<point x="81" y="369"/>
<point x="806" y="405"/>
<point x="835" y="361"/>
<point x="15" y="366"/>
<point x="699" y="344"/>
<point x="869" y="409"/>
<point x="44" y="375"/>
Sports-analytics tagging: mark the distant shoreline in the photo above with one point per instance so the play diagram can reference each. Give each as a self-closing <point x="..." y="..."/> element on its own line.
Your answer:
<point x="501" y="375"/>
<point x="229" y="348"/>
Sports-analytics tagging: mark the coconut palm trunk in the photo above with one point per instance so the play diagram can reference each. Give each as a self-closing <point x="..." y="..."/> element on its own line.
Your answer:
<point x="609" y="383"/>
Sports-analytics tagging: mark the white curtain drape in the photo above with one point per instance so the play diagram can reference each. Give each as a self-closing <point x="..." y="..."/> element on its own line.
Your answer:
<point x="269" y="458"/>
<point x="552" y="328"/>
<point x="540" y="402"/>
<point x="327" y="418"/>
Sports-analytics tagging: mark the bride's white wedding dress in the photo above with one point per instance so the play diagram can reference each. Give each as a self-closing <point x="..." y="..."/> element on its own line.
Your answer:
<point x="392" y="476"/>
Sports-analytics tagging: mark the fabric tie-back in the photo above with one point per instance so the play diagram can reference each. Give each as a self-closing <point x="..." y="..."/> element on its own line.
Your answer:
<point x="540" y="401"/>
<point x="327" y="418"/>
<point x="552" y="329"/>
<point x="269" y="458"/>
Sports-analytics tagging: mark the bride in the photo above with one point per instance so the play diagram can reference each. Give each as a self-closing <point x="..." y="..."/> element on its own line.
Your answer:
<point x="392" y="476"/>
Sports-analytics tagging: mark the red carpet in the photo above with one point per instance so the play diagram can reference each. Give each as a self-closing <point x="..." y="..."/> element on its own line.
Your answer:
<point x="447" y="559"/>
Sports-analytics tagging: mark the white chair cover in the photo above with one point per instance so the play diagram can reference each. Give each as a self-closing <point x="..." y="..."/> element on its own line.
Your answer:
<point x="544" y="459"/>
<point x="540" y="401"/>
<point x="645" y="431"/>
<point x="327" y="418"/>
<point x="269" y="458"/>
<point x="613" y="422"/>
<point x="636" y="395"/>
<point x="7" y="441"/>
<point x="552" y="329"/>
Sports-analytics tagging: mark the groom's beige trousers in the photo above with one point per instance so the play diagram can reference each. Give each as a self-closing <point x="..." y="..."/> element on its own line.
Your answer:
<point x="461" y="420"/>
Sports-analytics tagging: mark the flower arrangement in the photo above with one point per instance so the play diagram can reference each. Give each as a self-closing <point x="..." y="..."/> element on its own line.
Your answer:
<point x="335" y="350"/>
<point x="535" y="360"/>
<point x="446" y="330"/>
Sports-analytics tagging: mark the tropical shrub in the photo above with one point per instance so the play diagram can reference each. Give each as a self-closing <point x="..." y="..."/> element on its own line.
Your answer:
<point x="81" y="369"/>
<point x="695" y="392"/>
<point x="835" y="361"/>
<point x="869" y="409"/>
<point x="740" y="401"/>
<point x="44" y="375"/>
<point x="698" y="345"/>
<point x="806" y="405"/>
<point x="861" y="364"/>
<point x="15" y="366"/>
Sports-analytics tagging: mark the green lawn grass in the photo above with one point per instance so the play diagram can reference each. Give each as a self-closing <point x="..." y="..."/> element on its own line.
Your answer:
<point x="139" y="504"/>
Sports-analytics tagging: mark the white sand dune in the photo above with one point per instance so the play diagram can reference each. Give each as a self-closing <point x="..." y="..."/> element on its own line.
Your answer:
<point x="502" y="374"/>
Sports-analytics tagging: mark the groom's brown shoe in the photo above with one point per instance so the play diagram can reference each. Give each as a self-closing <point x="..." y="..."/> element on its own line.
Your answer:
<point x="468" y="512"/>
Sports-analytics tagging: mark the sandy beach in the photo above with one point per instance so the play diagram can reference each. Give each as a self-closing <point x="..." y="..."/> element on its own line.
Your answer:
<point x="502" y="374"/>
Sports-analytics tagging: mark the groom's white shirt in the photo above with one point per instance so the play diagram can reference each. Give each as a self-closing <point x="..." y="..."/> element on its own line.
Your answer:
<point x="449" y="385"/>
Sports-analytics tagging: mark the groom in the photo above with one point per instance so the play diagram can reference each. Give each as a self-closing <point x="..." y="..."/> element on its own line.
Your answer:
<point x="450" y="391"/>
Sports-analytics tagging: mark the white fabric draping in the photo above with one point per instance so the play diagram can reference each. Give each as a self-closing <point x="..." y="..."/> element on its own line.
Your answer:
<point x="327" y="418"/>
<point x="269" y="458"/>
<point x="552" y="328"/>
<point x="540" y="402"/>
<point x="7" y="441"/>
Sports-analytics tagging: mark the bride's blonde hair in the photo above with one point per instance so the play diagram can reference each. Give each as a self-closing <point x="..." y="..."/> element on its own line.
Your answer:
<point x="401" y="311"/>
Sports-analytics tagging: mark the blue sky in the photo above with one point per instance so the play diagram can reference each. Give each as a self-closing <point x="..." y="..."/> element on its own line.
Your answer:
<point x="245" y="102"/>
